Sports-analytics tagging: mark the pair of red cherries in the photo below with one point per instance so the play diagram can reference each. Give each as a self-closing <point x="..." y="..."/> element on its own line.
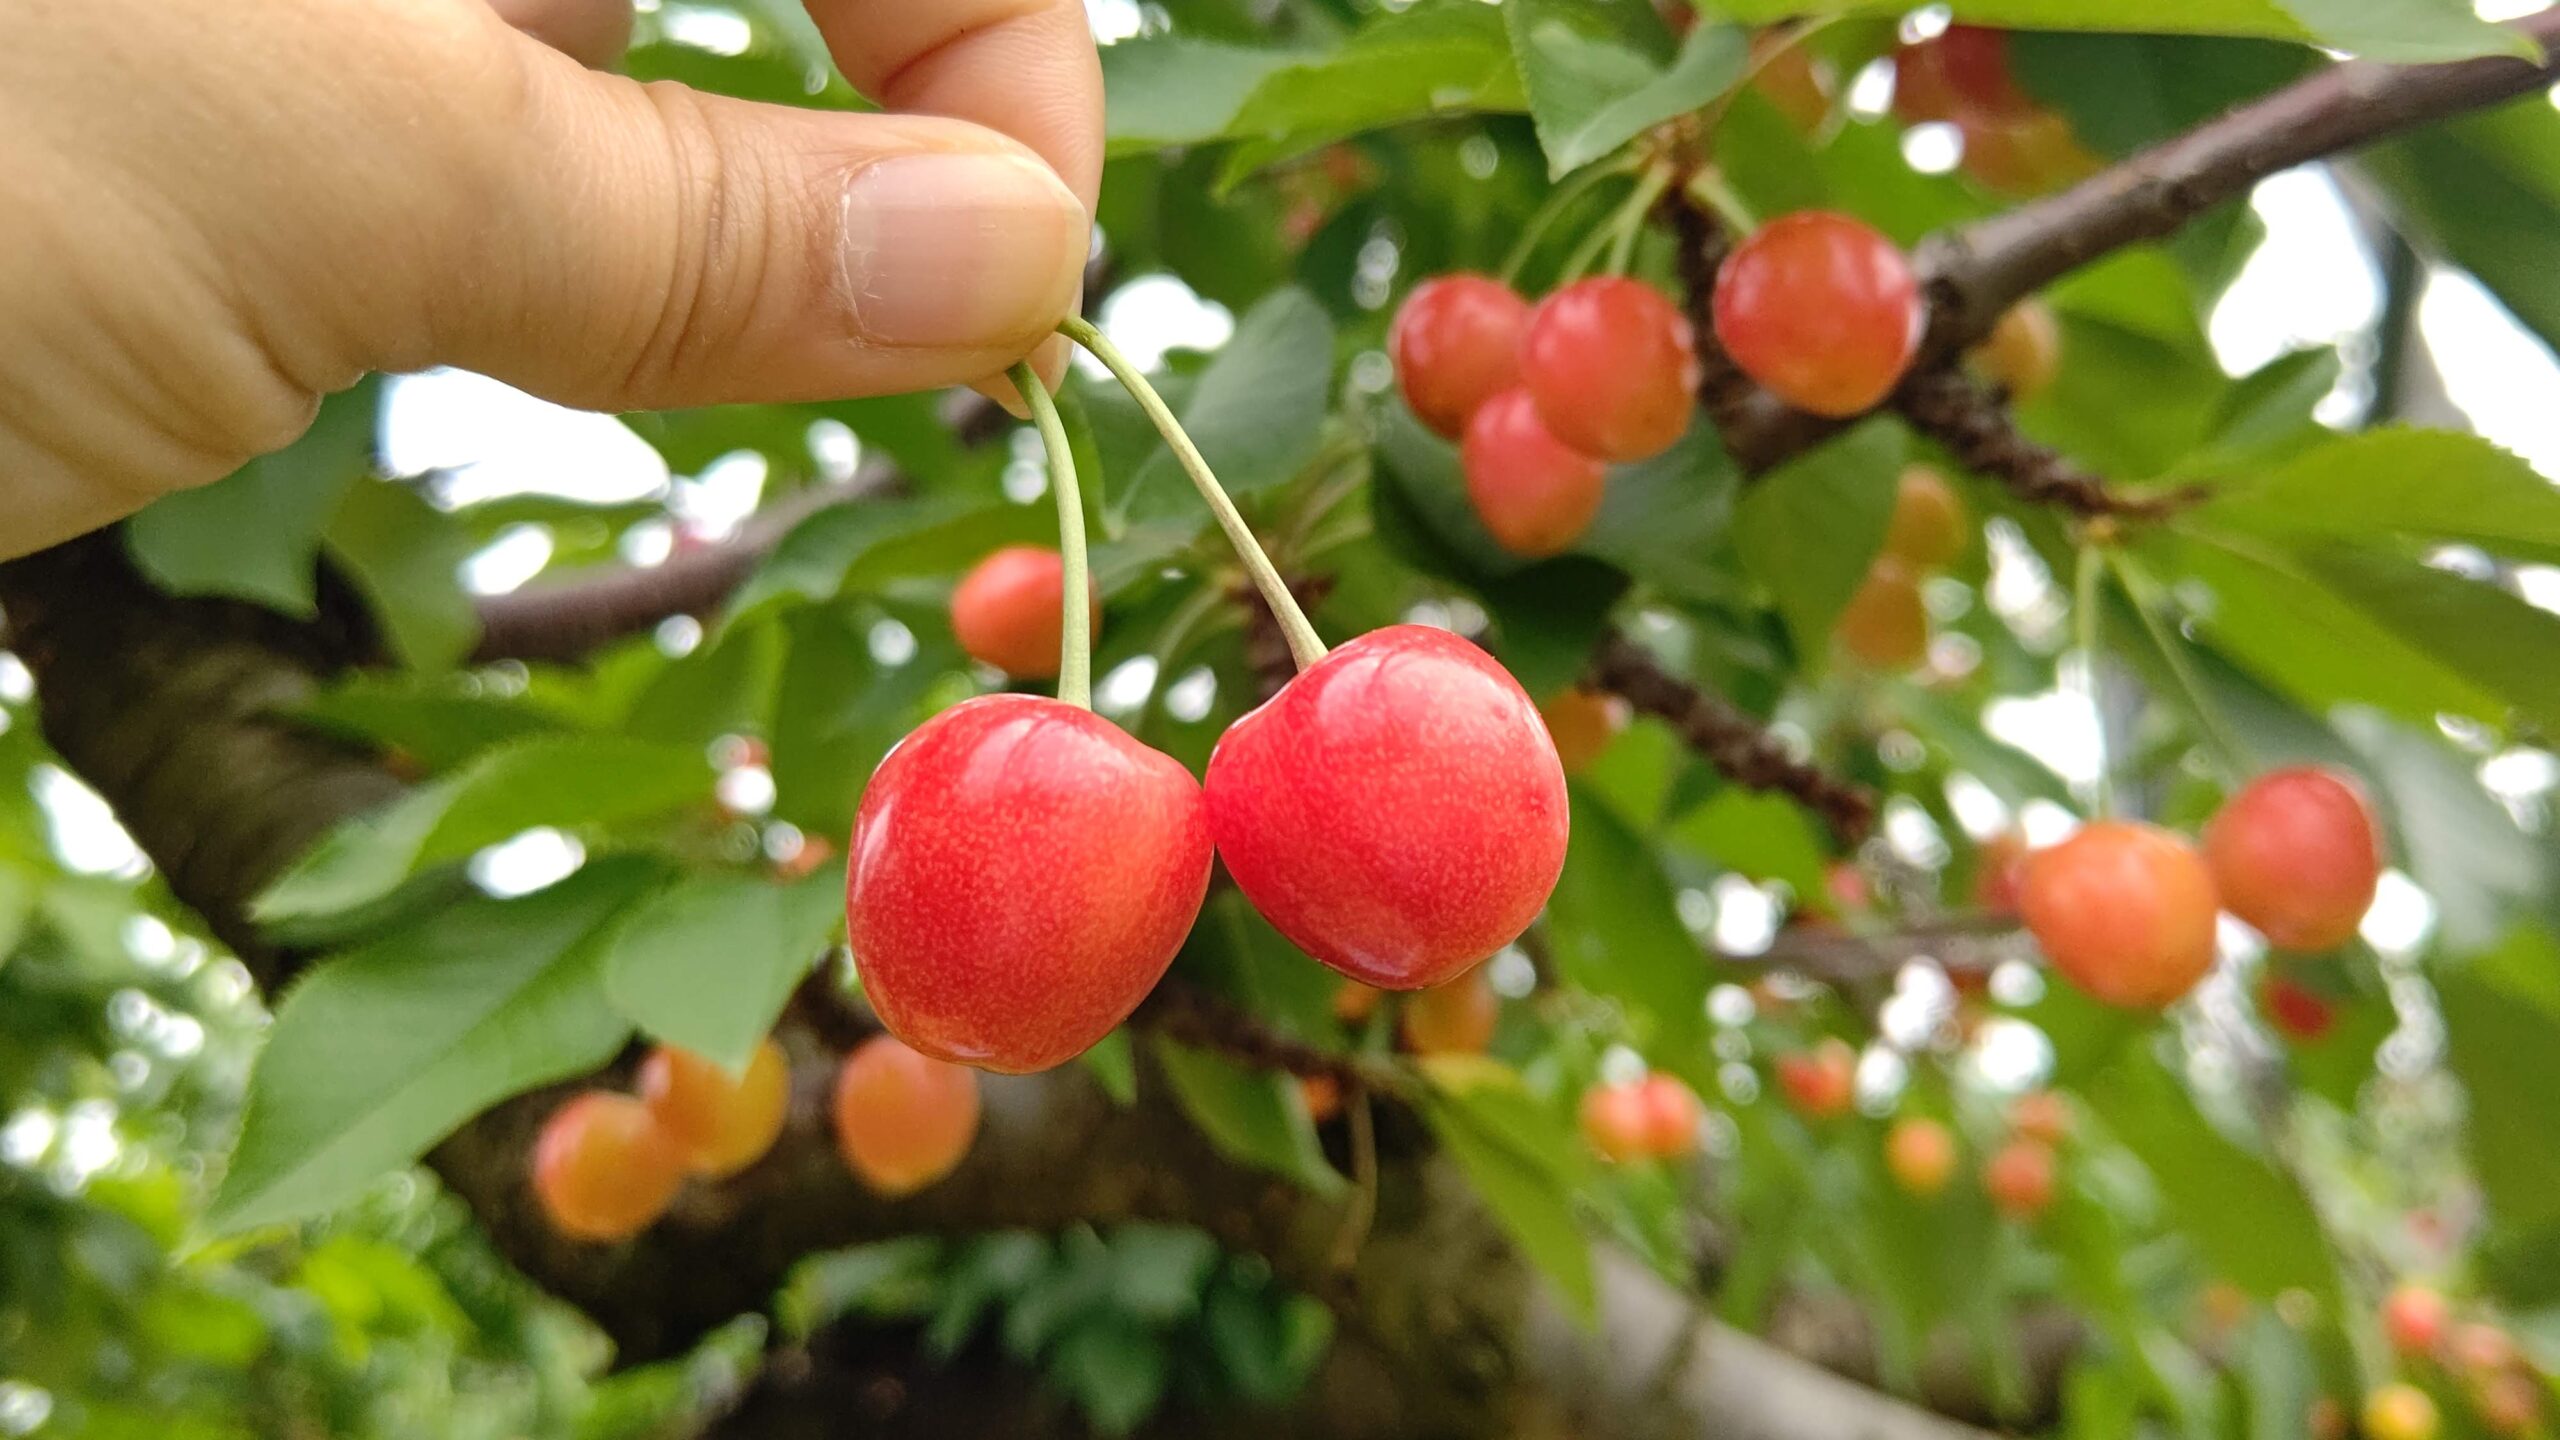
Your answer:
<point x="1023" y="871"/>
<point x="1819" y="308"/>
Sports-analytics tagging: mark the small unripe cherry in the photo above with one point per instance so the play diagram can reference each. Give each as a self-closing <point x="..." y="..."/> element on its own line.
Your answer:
<point x="2510" y="1403"/>
<point x="1671" y="1114"/>
<point x="2482" y="1348"/>
<point x="1354" y="1003"/>
<point x="1615" y="1122"/>
<point x="2019" y="1178"/>
<point x="2043" y="1116"/>
<point x="603" y="1168"/>
<point x="1534" y="494"/>
<point x="1820" y="309"/>
<point x="1885" y="625"/>
<point x="1821" y="1083"/>
<point x="2124" y="910"/>
<point x="1456" y="1017"/>
<point x="1582" y="723"/>
<point x="1323" y="1096"/>
<point x="2415" y="1319"/>
<point x="2400" y="1411"/>
<point x="1009" y="609"/>
<point x="903" y="1119"/>
<point x="2297" y="855"/>
<point x="1929" y="526"/>
<point x="1920" y="1154"/>
<point x="2297" y="1011"/>
<point x="2023" y="352"/>
<point x="1397" y="810"/>
<point x="1613" y="365"/>
<point x="1456" y="343"/>
<point x="724" y="1123"/>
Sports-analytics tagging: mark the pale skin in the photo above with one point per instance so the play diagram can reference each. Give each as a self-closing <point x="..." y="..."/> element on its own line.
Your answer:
<point x="213" y="215"/>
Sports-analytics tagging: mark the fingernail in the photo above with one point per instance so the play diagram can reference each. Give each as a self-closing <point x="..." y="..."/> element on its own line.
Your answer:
<point x="959" y="250"/>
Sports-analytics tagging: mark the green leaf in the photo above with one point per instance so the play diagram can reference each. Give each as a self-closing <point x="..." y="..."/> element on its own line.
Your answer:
<point x="2429" y="486"/>
<point x="1116" y="1369"/>
<point x="255" y="534"/>
<point x="1439" y="57"/>
<point x="1157" y="1271"/>
<point x="2123" y="92"/>
<point x="2483" y="632"/>
<point x="2484" y="191"/>
<point x="2502" y="1024"/>
<point x="406" y="556"/>
<point x="1113" y="1062"/>
<point x="1664" y="520"/>
<point x="2386" y="29"/>
<point x="724" y="685"/>
<point x="1550" y="616"/>
<point x="1174" y="90"/>
<point x="564" y="780"/>
<point x="1615" y="929"/>
<point x="839" y="709"/>
<point x="385" y="1049"/>
<point x="1252" y="1116"/>
<point x="707" y="962"/>
<point x="2253" y="1224"/>
<point x="1759" y="835"/>
<point x="1596" y="75"/>
<point x="2454" y="838"/>
<point x="439" y="721"/>
<point x="1523" y="1160"/>
<point x="863" y="544"/>
<point x="1255" y="413"/>
<point x="1809" y="529"/>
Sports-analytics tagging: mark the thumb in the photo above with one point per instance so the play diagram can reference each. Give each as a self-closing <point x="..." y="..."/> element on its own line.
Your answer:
<point x="655" y="247"/>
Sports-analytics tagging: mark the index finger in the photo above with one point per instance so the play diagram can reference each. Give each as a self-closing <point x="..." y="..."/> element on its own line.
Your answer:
<point x="1026" y="68"/>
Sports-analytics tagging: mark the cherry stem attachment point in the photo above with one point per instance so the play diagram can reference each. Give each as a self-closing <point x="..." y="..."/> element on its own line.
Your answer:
<point x="1710" y="192"/>
<point x="1305" y="647"/>
<point x="1075" y="610"/>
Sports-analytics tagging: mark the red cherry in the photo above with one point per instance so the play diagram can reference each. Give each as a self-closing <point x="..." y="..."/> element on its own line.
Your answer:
<point x="2019" y="1179"/>
<point x="1821" y="1083"/>
<point x="2415" y="1319"/>
<point x="1397" y="811"/>
<point x="1615" y="1120"/>
<point x="1920" y="1154"/>
<point x="1534" y="493"/>
<point x="1614" y="367"/>
<point x="1456" y="342"/>
<point x="1582" y="723"/>
<point x="1455" y="1017"/>
<point x="604" y="1169"/>
<point x="1885" y="625"/>
<point x="903" y="1120"/>
<point x="1821" y="310"/>
<point x="2297" y="855"/>
<point x="724" y="1123"/>
<point x="1671" y="1115"/>
<point x="2124" y="910"/>
<point x="1020" y="875"/>
<point x="1009" y="609"/>
<point x="2297" y="1011"/>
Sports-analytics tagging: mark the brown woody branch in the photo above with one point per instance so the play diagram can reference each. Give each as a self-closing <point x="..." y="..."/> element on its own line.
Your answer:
<point x="1735" y="743"/>
<point x="1975" y="426"/>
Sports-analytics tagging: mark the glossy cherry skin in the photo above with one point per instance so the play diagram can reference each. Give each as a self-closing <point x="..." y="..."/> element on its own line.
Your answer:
<point x="1820" y="309"/>
<point x="2415" y="1319"/>
<point x="2297" y="854"/>
<point x="1009" y="610"/>
<point x="2124" y="910"/>
<point x="1885" y="625"/>
<point x="903" y="1120"/>
<point x="1821" y="1083"/>
<point x="1020" y="875"/>
<point x="1614" y="367"/>
<point x="725" y="1123"/>
<point x="1920" y="1154"/>
<point x="1455" y="1017"/>
<point x="1397" y="811"/>
<point x="2023" y="352"/>
<point x="603" y="1168"/>
<point x="2019" y="1178"/>
<point x="2401" y="1411"/>
<point x="1456" y="343"/>
<point x="1929" y="527"/>
<point x="1533" y="493"/>
<point x="1582" y="723"/>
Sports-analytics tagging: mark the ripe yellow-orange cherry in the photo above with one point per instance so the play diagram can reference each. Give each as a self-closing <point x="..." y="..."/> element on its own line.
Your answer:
<point x="2400" y="1411"/>
<point x="1920" y="1154"/>
<point x="725" y="1123"/>
<point x="2125" y="911"/>
<point x="603" y="1168"/>
<point x="1582" y="723"/>
<point x="1453" y="1018"/>
<point x="903" y="1119"/>
<point x="1886" y="624"/>
<point x="2023" y="352"/>
<point x="1009" y="610"/>
<point x="1929" y="525"/>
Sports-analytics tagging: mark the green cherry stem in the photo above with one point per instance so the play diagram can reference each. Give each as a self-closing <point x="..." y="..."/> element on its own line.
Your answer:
<point x="1558" y="201"/>
<point x="1305" y="647"/>
<point x="1075" y="629"/>
<point x="1640" y="203"/>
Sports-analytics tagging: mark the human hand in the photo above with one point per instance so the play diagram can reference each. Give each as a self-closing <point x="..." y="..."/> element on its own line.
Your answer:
<point x="219" y="214"/>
